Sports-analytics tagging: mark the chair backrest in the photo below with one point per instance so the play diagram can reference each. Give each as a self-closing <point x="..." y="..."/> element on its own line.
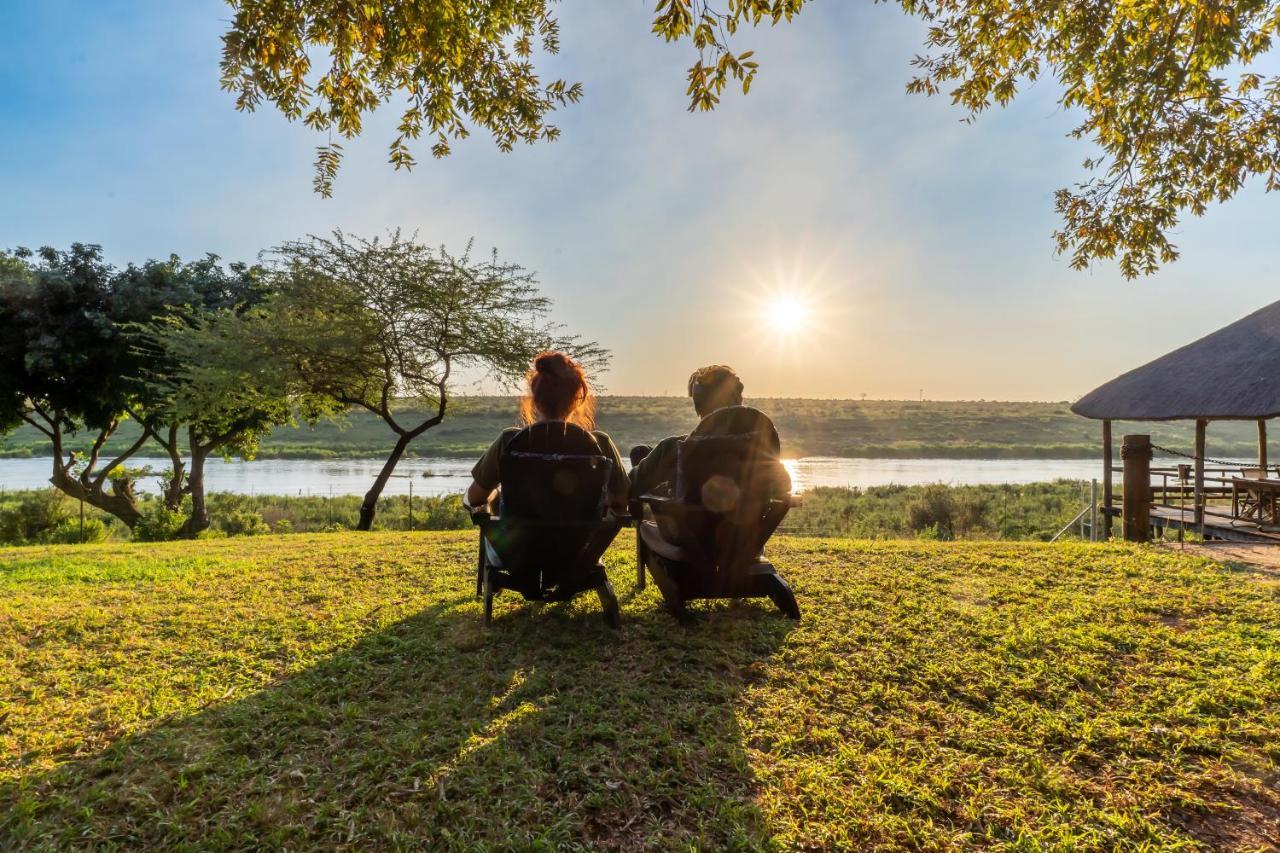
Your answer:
<point x="728" y="471"/>
<point x="1253" y="473"/>
<point x="554" y="472"/>
<point x="732" y="456"/>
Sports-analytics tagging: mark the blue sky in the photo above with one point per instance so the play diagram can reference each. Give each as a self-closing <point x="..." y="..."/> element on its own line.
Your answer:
<point x="924" y="243"/>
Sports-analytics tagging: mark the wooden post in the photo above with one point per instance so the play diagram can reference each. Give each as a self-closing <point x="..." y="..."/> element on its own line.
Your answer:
<point x="1262" y="446"/>
<point x="1135" y="454"/>
<point x="1106" y="480"/>
<point x="1199" y="516"/>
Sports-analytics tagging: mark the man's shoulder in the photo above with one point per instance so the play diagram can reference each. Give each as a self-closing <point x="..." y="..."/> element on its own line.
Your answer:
<point x="671" y="441"/>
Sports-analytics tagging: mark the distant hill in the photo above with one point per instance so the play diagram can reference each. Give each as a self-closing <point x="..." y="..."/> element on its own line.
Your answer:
<point x="851" y="428"/>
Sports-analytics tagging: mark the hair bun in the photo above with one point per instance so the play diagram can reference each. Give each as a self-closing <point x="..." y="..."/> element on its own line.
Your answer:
<point x="555" y="363"/>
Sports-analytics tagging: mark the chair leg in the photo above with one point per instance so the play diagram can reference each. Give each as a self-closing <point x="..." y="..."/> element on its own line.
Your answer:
<point x="609" y="604"/>
<point x="640" y="558"/>
<point x="782" y="596"/>
<point x="488" y="599"/>
<point x="670" y="589"/>
<point x="480" y="561"/>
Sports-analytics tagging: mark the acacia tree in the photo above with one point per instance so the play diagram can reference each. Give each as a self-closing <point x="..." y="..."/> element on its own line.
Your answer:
<point x="389" y="326"/>
<point x="1175" y="95"/>
<point x="172" y="289"/>
<point x="225" y="395"/>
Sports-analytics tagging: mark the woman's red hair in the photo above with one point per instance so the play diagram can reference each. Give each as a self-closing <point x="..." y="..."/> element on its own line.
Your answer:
<point x="558" y="391"/>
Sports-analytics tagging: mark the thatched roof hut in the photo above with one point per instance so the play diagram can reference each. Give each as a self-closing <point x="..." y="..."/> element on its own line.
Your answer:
<point x="1233" y="373"/>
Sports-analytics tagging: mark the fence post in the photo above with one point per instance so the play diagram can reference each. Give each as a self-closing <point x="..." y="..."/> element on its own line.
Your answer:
<point x="1135" y="455"/>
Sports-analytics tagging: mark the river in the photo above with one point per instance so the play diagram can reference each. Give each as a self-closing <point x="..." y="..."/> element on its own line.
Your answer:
<point x="451" y="476"/>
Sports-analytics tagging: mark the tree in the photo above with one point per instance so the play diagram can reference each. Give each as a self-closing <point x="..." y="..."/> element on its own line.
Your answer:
<point x="70" y="365"/>
<point x="178" y="291"/>
<point x="390" y="325"/>
<point x="62" y="366"/>
<point x="224" y="392"/>
<point x="1172" y="94"/>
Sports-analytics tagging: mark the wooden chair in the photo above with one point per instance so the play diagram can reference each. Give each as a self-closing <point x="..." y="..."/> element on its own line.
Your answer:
<point x="553" y="523"/>
<point x="705" y="540"/>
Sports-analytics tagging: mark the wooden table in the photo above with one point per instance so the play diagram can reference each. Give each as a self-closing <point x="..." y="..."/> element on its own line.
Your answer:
<point x="1256" y="500"/>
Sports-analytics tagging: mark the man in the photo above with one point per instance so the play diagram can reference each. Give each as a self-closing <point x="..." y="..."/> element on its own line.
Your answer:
<point x="712" y="388"/>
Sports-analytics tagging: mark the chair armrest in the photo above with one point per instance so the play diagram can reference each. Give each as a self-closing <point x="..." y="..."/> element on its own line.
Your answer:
<point x="480" y="516"/>
<point x="795" y="500"/>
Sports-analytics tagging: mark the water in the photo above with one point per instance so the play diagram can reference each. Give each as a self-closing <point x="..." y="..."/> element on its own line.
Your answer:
<point x="451" y="476"/>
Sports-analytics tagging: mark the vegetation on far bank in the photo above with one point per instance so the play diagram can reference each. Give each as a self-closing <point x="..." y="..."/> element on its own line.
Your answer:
<point x="1034" y="511"/>
<point x="849" y="428"/>
<point x="338" y="690"/>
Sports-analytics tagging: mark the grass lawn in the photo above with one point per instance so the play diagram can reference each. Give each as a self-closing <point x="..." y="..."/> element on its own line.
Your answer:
<point x="337" y="690"/>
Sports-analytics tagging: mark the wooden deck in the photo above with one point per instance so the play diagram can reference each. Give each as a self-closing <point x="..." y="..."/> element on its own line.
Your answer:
<point x="1218" y="524"/>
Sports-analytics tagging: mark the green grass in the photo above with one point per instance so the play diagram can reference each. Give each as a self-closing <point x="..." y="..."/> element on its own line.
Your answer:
<point x="337" y="690"/>
<point x="851" y="428"/>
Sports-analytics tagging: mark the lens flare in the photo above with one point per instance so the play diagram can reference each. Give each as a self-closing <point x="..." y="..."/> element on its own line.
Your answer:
<point x="788" y="314"/>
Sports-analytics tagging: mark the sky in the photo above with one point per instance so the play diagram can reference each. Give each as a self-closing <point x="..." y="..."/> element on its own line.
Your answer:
<point x="918" y="245"/>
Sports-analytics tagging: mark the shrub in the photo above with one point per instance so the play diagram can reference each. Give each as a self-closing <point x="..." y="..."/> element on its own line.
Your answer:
<point x="35" y="517"/>
<point x="284" y="525"/>
<point x="243" y="522"/>
<point x="70" y="532"/>
<point x="158" y="524"/>
<point x="933" y="508"/>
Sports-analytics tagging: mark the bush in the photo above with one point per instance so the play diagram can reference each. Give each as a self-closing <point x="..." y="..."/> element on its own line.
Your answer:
<point x="243" y="522"/>
<point x="284" y="525"/>
<point x="35" y="517"/>
<point x="934" y="510"/>
<point x="70" y="533"/>
<point x="159" y="524"/>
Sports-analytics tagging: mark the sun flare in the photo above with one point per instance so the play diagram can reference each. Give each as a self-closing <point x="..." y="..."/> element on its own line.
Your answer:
<point x="788" y="314"/>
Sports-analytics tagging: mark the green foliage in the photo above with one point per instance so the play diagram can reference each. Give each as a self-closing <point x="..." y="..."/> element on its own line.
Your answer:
<point x="72" y="532"/>
<point x="34" y="517"/>
<point x="159" y="523"/>
<point x="70" y="363"/>
<point x="1015" y="512"/>
<point x="934" y="510"/>
<point x="243" y="523"/>
<point x="1172" y="96"/>
<point x="338" y="690"/>
<point x="710" y="30"/>
<point x="449" y="62"/>
<point x="1175" y="96"/>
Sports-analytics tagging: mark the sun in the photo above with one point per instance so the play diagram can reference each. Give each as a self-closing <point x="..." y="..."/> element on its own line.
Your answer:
<point x="788" y="314"/>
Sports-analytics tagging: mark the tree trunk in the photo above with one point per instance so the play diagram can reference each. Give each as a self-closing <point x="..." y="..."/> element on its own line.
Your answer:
<point x="120" y="501"/>
<point x="175" y="488"/>
<point x="199" y="519"/>
<point x="121" y="504"/>
<point x="370" y="505"/>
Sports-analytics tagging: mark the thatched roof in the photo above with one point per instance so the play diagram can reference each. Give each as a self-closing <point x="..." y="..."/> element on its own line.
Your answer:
<point x="1231" y="373"/>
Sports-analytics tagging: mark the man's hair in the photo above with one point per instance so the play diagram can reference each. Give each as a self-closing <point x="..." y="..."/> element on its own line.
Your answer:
<point x="714" y="387"/>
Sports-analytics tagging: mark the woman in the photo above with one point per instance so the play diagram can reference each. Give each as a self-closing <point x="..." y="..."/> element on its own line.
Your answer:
<point x="557" y="392"/>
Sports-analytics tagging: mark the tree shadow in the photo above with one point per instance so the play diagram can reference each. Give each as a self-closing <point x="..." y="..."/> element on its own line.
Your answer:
<point x="548" y="730"/>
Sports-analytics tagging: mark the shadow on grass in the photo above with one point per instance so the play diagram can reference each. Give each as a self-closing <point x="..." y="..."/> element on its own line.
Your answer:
<point x="549" y="730"/>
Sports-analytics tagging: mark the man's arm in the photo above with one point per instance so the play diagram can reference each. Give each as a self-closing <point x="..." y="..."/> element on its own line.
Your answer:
<point x="655" y="469"/>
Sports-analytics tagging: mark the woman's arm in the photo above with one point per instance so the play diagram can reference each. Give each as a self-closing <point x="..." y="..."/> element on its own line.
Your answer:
<point x="485" y="475"/>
